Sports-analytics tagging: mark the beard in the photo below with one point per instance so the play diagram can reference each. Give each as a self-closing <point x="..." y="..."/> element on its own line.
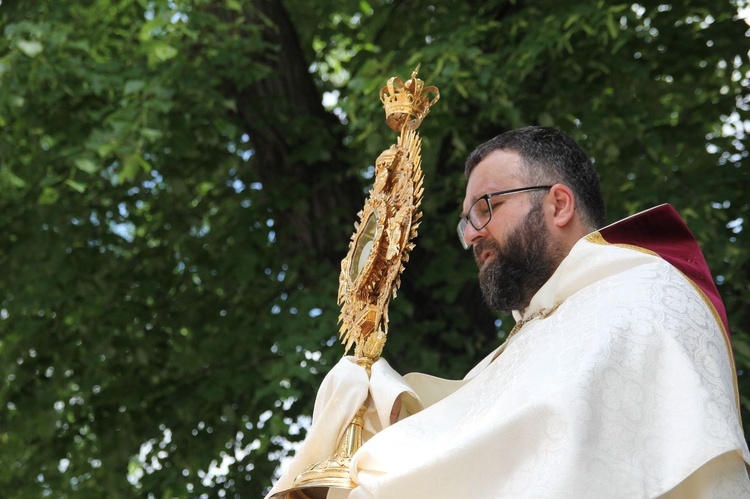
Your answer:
<point x="520" y="267"/>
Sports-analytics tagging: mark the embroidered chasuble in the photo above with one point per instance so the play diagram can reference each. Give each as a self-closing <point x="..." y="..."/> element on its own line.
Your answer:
<point x="620" y="383"/>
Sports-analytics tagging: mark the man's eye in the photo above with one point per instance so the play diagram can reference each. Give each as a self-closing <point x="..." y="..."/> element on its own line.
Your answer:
<point x="495" y="205"/>
<point x="482" y="208"/>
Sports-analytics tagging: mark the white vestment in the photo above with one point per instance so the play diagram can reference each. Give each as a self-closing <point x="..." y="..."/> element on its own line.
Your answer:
<point x="621" y="384"/>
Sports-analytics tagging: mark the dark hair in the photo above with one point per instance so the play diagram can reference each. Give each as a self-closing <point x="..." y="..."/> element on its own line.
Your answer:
<point x="551" y="156"/>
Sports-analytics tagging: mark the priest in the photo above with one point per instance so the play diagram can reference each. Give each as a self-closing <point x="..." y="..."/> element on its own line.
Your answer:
<point x="616" y="381"/>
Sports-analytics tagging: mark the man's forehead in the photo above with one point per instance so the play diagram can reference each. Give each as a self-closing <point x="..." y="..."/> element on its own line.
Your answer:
<point x="498" y="171"/>
<point x="497" y="164"/>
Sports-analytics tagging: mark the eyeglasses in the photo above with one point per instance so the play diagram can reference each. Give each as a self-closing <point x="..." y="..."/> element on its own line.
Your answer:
<point x="480" y="212"/>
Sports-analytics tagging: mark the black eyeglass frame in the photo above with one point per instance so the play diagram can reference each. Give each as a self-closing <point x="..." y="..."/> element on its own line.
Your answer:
<point x="486" y="198"/>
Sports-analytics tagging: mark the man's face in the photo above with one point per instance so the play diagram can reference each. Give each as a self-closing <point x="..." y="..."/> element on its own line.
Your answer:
<point x="515" y="252"/>
<point x="519" y="266"/>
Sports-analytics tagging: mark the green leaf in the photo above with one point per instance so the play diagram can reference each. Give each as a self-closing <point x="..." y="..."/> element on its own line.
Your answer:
<point x="365" y="7"/>
<point x="133" y="86"/>
<point x="162" y="51"/>
<point x="30" y="48"/>
<point x="151" y="134"/>
<point x="49" y="195"/>
<point x="77" y="186"/>
<point x="234" y="5"/>
<point x="12" y="178"/>
<point x="86" y="165"/>
<point x="461" y="89"/>
<point x="132" y="166"/>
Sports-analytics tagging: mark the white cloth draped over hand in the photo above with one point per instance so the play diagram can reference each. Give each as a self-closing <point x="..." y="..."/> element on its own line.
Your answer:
<point x="343" y="392"/>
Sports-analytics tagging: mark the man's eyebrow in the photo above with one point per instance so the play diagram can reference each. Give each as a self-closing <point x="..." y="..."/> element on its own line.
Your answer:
<point x="474" y="199"/>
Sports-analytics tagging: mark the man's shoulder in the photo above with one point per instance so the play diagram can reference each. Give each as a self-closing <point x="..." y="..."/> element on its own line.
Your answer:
<point x="654" y="285"/>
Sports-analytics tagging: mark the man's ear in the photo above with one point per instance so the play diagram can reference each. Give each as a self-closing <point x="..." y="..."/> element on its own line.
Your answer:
<point x="561" y="205"/>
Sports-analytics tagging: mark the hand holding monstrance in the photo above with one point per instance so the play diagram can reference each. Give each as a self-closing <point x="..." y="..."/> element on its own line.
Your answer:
<point x="370" y="273"/>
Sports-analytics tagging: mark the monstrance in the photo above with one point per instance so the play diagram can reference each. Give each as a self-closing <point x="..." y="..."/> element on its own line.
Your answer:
<point x="371" y="271"/>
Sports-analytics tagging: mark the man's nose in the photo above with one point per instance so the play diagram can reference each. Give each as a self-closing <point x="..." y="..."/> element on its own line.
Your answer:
<point x="472" y="235"/>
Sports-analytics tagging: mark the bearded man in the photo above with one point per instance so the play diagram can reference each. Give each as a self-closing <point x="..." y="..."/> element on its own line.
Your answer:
<point x="617" y="380"/>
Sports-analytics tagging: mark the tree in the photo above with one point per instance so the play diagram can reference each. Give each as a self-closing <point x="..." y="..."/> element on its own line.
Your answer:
<point x="180" y="180"/>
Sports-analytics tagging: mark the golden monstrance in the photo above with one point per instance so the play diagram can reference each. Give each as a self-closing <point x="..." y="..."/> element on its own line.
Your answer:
<point x="371" y="270"/>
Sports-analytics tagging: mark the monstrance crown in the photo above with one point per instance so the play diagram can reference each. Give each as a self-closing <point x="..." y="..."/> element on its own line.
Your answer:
<point x="407" y="103"/>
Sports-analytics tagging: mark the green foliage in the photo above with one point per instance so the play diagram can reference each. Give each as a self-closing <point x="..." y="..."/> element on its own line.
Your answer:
<point x="176" y="201"/>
